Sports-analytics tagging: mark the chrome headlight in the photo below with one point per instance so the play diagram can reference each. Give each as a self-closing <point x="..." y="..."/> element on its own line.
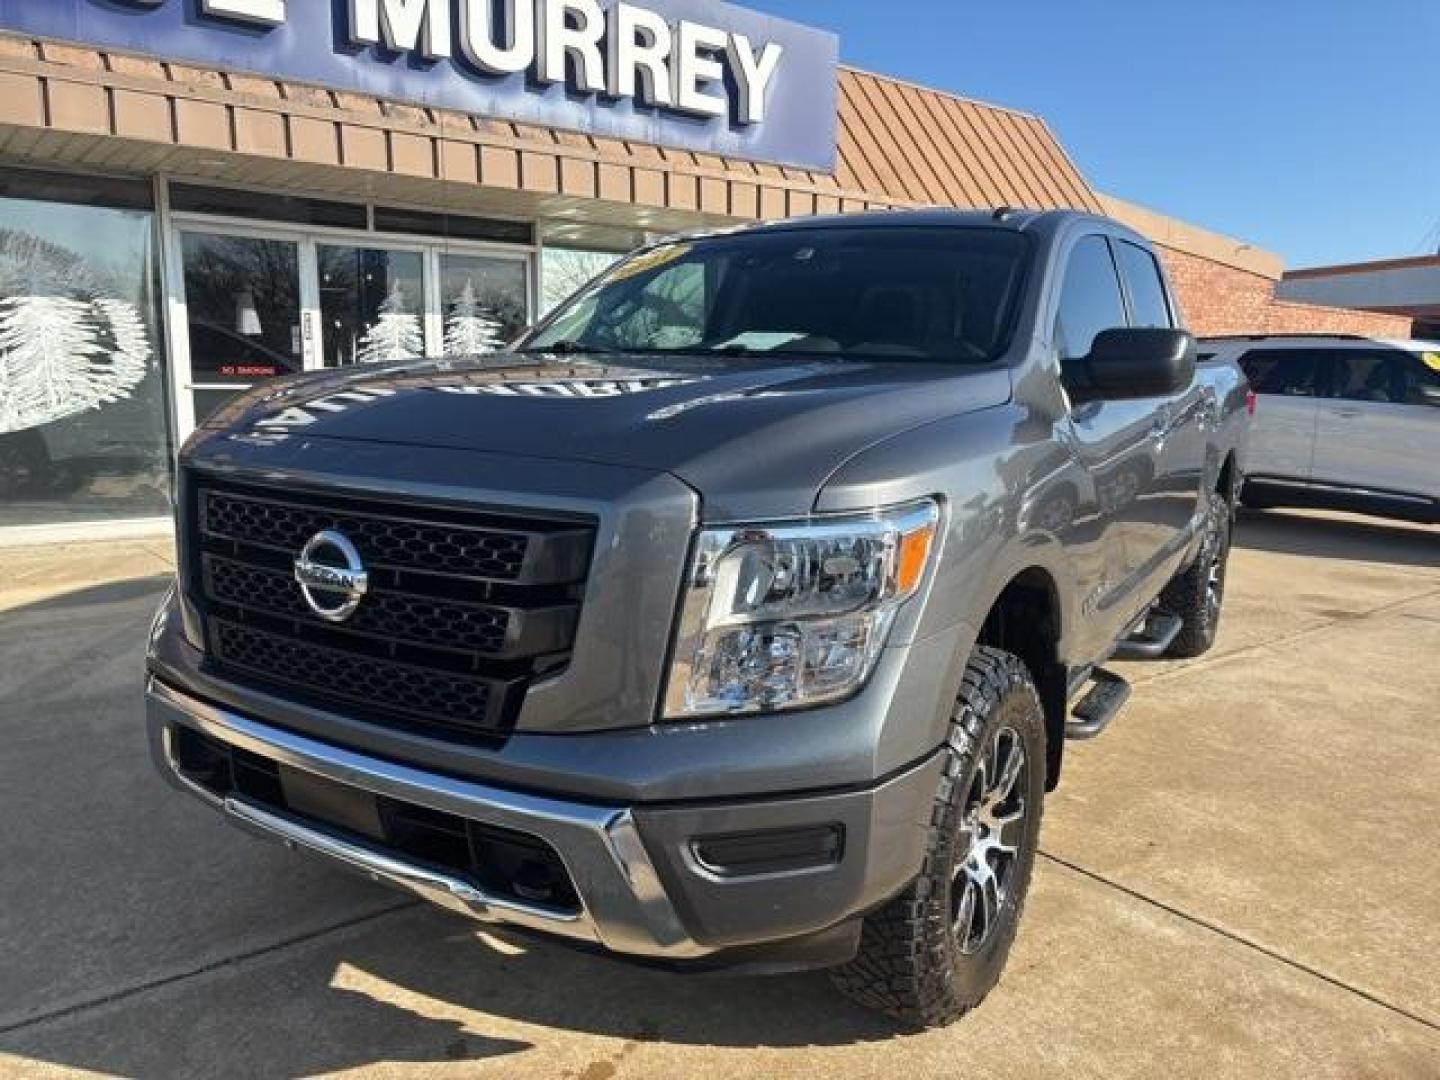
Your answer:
<point x="788" y="616"/>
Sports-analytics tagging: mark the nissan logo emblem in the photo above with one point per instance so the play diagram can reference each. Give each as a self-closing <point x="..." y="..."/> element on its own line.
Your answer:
<point x="332" y="578"/>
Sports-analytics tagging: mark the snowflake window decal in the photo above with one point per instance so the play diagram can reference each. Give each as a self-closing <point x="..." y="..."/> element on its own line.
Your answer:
<point x="65" y="346"/>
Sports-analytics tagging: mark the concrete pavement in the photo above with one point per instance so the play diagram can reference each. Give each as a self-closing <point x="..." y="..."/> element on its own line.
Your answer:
<point x="1239" y="879"/>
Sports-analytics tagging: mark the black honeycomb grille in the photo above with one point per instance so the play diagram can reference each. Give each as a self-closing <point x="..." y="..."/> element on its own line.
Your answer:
<point x="393" y="615"/>
<point x="434" y="697"/>
<point x="396" y="542"/>
<point x="464" y="607"/>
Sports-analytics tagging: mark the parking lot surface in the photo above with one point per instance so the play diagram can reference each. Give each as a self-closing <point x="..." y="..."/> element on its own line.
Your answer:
<point x="1240" y="878"/>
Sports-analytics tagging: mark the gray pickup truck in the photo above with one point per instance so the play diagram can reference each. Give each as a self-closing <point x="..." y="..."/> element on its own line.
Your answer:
<point x="738" y="618"/>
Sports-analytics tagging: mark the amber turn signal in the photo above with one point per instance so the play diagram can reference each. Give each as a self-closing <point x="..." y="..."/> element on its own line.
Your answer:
<point x="914" y="553"/>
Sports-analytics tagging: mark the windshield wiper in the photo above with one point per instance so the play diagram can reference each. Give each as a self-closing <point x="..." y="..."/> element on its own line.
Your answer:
<point x="567" y="347"/>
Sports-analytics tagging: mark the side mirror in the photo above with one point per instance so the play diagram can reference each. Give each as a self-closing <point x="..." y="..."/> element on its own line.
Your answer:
<point x="1135" y="362"/>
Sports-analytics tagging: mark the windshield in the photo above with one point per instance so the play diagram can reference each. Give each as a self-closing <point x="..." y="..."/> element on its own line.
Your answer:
<point x="892" y="293"/>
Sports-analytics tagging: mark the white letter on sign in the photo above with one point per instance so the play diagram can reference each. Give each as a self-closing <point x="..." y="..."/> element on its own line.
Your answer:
<point x="639" y="42"/>
<point x="477" y="41"/>
<point x="694" y="66"/>
<point x="581" y="41"/>
<point x="266" y="12"/>
<point x="421" y="26"/>
<point x="752" y="76"/>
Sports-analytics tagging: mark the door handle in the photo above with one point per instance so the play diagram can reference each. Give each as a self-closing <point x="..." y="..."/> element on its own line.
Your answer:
<point x="1345" y="412"/>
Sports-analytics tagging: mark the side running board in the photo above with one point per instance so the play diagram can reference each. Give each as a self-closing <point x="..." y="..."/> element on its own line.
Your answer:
<point x="1097" y="708"/>
<point x="1150" y="638"/>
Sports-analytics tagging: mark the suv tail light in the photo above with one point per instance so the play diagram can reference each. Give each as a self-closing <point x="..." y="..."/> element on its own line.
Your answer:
<point x="1249" y="401"/>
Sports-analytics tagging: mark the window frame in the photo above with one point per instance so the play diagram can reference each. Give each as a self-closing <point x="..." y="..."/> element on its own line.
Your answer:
<point x="1055" y="335"/>
<point x="1116" y="243"/>
<point x="1008" y="324"/>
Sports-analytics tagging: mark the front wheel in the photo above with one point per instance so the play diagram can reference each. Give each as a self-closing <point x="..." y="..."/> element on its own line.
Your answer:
<point x="932" y="954"/>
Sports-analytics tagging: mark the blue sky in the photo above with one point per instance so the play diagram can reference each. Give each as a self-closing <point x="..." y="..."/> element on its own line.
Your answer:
<point x="1309" y="128"/>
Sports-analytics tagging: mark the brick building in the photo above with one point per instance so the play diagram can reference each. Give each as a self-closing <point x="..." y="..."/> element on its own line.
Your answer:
<point x="192" y="202"/>
<point x="1229" y="287"/>
<point x="1404" y="289"/>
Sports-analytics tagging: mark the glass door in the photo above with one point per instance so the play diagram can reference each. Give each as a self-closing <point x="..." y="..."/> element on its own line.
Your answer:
<point x="243" y="317"/>
<point x="372" y="304"/>
<point x="264" y="301"/>
<point x="484" y="301"/>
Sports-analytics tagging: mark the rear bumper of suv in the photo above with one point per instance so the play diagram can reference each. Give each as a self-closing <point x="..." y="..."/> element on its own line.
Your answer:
<point x="774" y="882"/>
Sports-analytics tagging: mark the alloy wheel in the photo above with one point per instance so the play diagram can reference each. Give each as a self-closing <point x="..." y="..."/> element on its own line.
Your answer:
<point x="1215" y="566"/>
<point x="992" y="828"/>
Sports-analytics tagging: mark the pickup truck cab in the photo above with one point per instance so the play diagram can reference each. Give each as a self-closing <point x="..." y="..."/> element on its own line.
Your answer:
<point x="739" y="617"/>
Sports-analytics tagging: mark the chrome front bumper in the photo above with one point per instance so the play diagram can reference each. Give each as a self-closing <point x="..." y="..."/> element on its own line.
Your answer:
<point x="624" y="906"/>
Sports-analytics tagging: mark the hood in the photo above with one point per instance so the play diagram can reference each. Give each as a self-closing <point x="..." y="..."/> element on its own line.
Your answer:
<point x="756" y="438"/>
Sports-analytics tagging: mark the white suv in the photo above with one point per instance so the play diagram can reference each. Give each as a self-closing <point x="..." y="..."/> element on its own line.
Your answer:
<point x="1345" y="423"/>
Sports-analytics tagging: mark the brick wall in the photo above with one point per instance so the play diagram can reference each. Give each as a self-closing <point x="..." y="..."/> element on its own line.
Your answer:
<point x="1221" y="299"/>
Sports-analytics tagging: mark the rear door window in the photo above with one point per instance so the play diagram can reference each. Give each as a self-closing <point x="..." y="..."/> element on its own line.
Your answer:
<point x="1372" y="375"/>
<point x="1141" y="274"/>
<point x="1282" y="372"/>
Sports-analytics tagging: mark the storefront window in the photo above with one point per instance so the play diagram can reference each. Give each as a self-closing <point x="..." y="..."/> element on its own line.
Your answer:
<point x="82" y="400"/>
<point x="564" y="271"/>
<point x="372" y="304"/>
<point x="242" y="310"/>
<point x="485" y="302"/>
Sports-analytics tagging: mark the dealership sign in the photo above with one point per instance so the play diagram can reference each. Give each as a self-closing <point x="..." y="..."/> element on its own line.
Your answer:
<point x="696" y="74"/>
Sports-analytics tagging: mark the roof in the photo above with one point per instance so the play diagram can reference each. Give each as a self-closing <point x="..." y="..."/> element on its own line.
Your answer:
<point x="1321" y="341"/>
<point x="1417" y="262"/>
<point x="926" y="147"/>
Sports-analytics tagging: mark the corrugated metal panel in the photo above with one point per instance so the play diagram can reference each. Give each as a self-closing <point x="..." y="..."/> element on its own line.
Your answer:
<point x="908" y="144"/>
<point x="899" y="144"/>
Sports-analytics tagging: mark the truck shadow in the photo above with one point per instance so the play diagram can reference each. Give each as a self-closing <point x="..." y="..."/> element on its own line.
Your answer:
<point x="1339" y="536"/>
<point x="514" y="977"/>
<point x="419" y="986"/>
<point x="88" y="596"/>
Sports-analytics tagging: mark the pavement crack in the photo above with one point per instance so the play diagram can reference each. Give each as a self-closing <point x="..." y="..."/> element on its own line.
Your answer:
<point x="1239" y="939"/>
<point x="90" y="1004"/>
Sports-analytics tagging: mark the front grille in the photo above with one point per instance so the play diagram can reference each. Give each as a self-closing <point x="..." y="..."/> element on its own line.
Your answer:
<point x="463" y="608"/>
<point x="427" y="695"/>
<point x="399" y="540"/>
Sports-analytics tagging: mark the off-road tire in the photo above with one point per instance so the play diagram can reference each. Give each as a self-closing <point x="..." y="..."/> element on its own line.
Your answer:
<point x="1189" y="595"/>
<point x="910" y="964"/>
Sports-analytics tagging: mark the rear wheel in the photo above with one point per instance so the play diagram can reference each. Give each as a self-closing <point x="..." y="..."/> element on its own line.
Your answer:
<point x="933" y="953"/>
<point x="1198" y="593"/>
